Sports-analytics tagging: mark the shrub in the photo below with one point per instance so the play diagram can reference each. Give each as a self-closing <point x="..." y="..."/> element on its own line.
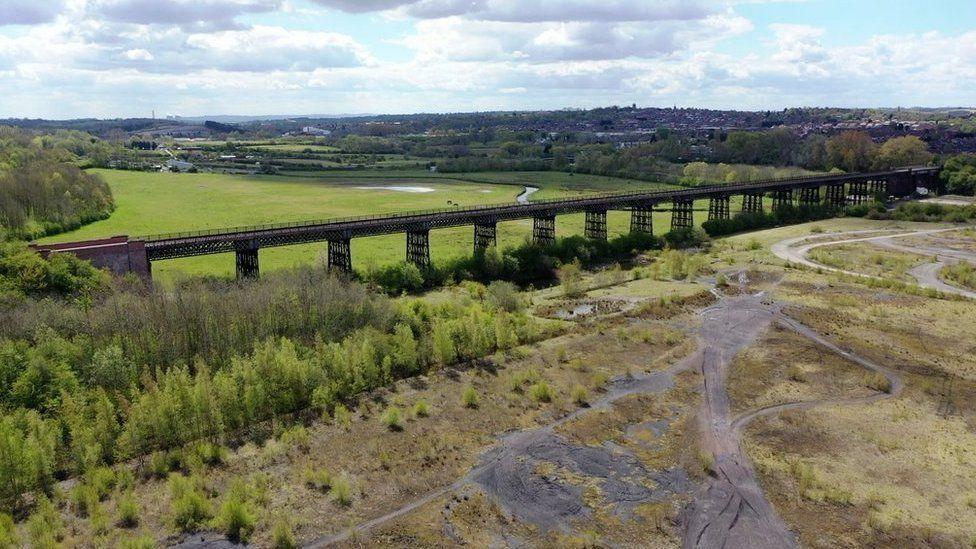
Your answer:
<point x="8" y="532"/>
<point x="282" y="536"/>
<point x="27" y="453"/>
<point x="84" y="499"/>
<point x="189" y="505"/>
<point x="540" y="392"/>
<point x="341" y="491"/>
<point x="296" y="437"/>
<point x="127" y="511"/>
<point x="341" y="416"/>
<point x="521" y="378"/>
<point x="204" y="454"/>
<point x="318" y="479"/>
<point x="161" y="464"/>
<point x="571" y="279"/>
<point x="45" y="526"/>
<point x="707" y="461"/>
<point x="469" y="398"/>
<point x="505" y="296"/>
<point x="879" y="382"/>
<point x="102" y="480"/>
<point x="579" y="395"/>
<point x="391" y="419"/>
<point x="797" y="373"/>
<point x="421" y="408"/>
<point x="236" y="518"/>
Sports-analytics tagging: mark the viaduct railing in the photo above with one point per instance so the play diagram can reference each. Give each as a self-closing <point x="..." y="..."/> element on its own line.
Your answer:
<point x="841" y="189"/>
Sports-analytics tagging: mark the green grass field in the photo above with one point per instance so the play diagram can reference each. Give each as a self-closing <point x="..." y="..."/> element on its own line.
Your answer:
<point x="149" y="203"/>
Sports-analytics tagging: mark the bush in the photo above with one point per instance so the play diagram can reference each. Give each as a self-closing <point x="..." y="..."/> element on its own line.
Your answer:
<point x="296" y="436"/>
<point x="8" y="532"/>
<point x="571" y="279"/>
<point x="540" y="392"/>
<point x="84" y="499"/>
<point x="879" y="382"/>
<point x="783" y="215"/>
<point x="469" y="398"/>
<point x="189" y="506"/>
<point x="579" y="395"/>
<point x="45" y="526"/>
<point x="421" y="408"/>
<point x="204" y="454"/>
<point x="318" y="479"/>
<point x="688" y="237"/>
<point x="161" y="464"/>
<point x="27" y="453"/>
<point x="797" y="373"/>
<point x="341" y="491"/>
<point x="341" y="416"/>
<point x="505" y="296"/>
<point x="282" y="536"/>
<point x="391" y="419"/>
<point x="127" y="511"/>
<point x="236" y="517"/>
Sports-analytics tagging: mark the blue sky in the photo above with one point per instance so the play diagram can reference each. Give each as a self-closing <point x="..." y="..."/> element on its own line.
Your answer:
<point x="109" y="58"/>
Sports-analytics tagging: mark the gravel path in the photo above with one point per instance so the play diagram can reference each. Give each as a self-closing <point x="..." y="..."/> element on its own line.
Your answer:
<point x="927" y="276"/>
<point x="730" y="510"/>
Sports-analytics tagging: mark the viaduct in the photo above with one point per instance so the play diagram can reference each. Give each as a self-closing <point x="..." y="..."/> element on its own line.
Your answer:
<point x="122" y="254"/>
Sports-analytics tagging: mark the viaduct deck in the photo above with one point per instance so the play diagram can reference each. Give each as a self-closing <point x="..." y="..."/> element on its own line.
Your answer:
<point x="245" y="241"/>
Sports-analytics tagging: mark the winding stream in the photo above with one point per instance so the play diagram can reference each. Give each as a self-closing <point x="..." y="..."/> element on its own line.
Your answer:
<point x="527" y="191"/>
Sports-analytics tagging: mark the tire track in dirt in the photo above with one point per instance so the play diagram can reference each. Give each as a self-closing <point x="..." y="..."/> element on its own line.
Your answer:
<point x="744" y="419"/>
<point x="499" y="472"/>
<point x="730" y="509"/>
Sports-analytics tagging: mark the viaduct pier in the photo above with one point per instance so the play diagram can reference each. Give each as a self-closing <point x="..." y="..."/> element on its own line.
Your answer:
<point x="122" y="254"/>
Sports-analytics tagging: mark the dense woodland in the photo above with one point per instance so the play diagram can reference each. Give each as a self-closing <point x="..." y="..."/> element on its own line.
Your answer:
<point x="92" y="378"/>
<point x="43" y="189"/>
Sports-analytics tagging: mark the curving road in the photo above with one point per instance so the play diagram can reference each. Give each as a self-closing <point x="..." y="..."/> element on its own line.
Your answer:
<point x="926" y="274"/>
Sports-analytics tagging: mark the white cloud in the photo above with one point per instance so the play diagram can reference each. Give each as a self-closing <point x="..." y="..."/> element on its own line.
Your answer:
<point x="100" y="56"/>
<point x="208" y="13"/>
<point x="138" y="55"/>
<point x="536" y="10"/>
<point x="28" y="12"/>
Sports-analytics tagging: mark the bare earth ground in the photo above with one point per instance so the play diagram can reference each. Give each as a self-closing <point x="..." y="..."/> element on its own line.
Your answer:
<point x="789" y="408"/>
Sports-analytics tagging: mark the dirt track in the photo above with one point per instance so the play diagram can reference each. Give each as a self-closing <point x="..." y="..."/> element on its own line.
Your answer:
<point x="729" y="510"/>
<point x="927" y="274"/>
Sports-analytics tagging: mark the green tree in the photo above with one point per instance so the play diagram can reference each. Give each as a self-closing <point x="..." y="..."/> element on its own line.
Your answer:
<point x="903" y="151"/>
<point x="959" y="174"/>
<point x="851" y="151"/>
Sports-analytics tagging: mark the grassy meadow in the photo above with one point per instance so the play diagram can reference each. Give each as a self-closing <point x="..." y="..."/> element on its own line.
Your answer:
<point x="150" y="203"/>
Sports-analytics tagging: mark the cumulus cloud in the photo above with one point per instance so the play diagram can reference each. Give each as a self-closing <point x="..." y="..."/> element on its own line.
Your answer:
<point x="535" y="11"/>
<point x="121" y="57"/>
<point x="28" y="12"/>
<point x="208" y="13"/>
<point x="460" y="39"/>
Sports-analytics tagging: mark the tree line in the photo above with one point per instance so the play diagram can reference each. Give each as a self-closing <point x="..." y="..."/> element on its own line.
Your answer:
<point x="88" y="378"/>
<point x="42" y="190"/>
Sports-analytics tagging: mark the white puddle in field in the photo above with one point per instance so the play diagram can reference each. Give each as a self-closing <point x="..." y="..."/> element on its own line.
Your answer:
<point x="398" y="188"/>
